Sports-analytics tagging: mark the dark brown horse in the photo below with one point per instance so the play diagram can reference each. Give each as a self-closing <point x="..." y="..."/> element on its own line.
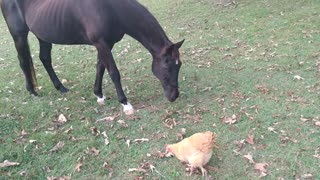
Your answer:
<point x="100" y="23"/>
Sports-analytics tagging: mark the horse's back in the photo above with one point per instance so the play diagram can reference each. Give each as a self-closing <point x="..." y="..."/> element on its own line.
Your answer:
<point x="65" y="21"/>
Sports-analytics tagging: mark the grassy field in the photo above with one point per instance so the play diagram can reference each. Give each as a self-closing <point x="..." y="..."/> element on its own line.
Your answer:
<point x="250" y="73"/>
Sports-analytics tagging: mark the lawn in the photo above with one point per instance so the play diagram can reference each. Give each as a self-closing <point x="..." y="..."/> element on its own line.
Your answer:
<point x="250" y="73"/>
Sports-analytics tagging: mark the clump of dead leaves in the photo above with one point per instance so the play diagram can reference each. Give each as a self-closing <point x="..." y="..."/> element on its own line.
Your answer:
<point x="260" y="167"/>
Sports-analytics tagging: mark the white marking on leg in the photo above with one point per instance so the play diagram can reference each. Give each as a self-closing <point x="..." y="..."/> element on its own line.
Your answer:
<point x="128" y="109"/>
<point x="101" y="100"/>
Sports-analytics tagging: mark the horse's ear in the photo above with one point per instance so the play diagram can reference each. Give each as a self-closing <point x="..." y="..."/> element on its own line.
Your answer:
<point x="173" y="47"/>
<point x="179" y="44"/>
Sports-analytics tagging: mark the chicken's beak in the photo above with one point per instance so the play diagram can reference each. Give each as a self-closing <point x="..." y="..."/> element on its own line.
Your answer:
<point x="168" y="154"/>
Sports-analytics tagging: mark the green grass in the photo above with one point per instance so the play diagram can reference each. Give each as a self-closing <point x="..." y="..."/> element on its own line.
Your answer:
<point x="237" y="60"/>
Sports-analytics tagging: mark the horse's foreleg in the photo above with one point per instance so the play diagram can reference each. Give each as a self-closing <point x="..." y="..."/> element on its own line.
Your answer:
<point x="45" y="57"/>
<point x="98" y="82"/>
<point x="105" y="56"/>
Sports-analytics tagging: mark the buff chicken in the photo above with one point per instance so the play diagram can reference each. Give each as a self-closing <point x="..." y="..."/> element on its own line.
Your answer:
<point x="195" y="150"/>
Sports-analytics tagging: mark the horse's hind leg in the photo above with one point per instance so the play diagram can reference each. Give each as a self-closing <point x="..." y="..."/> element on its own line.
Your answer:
<point x="45" y="57"/>
<point x="26" y="64"/>
<point x="19" y="32"/>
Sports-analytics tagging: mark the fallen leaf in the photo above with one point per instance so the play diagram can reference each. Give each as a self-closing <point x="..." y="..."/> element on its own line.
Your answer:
<point x="230" y="120"/>
<point x="62" y="119"/>
<point x="160" y="154"/>
<point x="250" y="139"/>
<point x="7" y="163"/>
<point x="271" y="129"/>
<point x="108" y="168"/>
<point x="183" y="131"/>
<point x="297" y="77"/>
<point x="307" y="176"/>
<point x="141" y="140"/>
<point x="68" y="130"/>
<point x="23" y="173"/>
<point x="95" y="131"/>
<point x="240" y="144"/>
<point x="64" y="178"/>
<point x="249" y="158"/>
<point x="303" y="119"/>
<point x="153" y="168"/>
<point x="95" y="151"/>
<point x="261" y="167"/>
<point x="23" y="133"/>
<point x="211" y="168"/>
<point x="128" y="142"/>
<point x="57" y="147"/>
<point x="106" y="138"/>
<point x="78" y="166"/>
<point x="262" y="88"/>
<point x="108" y="118"/>
<point x="137" y="170"/>
<point x="123" y="123"/>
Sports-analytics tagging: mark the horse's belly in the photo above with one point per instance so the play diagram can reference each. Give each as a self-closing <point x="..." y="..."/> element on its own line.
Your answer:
<point x="60" y="36"/>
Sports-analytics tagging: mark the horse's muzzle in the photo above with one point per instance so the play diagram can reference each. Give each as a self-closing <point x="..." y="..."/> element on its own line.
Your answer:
<point x="172" y="94"/>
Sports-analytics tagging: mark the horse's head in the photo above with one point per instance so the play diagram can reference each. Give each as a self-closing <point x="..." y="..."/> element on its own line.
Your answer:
<point x="166" y="68"/>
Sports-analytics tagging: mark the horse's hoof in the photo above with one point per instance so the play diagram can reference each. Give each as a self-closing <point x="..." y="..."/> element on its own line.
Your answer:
<point x="34" y="93"/>
<point x="128" y="109"/>
<point x="64" y="90"/>
<point x="100" y="101"/>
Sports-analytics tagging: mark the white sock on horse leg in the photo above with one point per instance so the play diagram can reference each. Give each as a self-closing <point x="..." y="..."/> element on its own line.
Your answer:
<point x="128" y="109"/>
<point x="101" y="100"/>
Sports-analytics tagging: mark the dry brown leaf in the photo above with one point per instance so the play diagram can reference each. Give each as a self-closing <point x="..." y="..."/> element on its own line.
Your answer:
<point x="297" y="77"/>
<point x="137" y="170"/>
<point x="7" y="163"/>
<point x="230" y="120"/>
<point x="106" y="138"/>
<point x="249" y="158"/>
<point x="108" y="118"/>
<point x="68" y="130"/>
<point x="62" y="119"/>
<point x="307" y="176"/>
<point x="261" y="167"/>
<point x="57" y="147"/>
<point x="78" y="167"/>
<point x="95" y="131"/>
<point x="123" y="123"/>
<point x="141" y="140"/>
<point x="95" y="151"/>
<point x="160" y="154"/>
<point x="250" y="139"/>
<point x="240" y="144"/>
<point x="64" y="178"/>
<point x="108" y="168"/>
<point x="262" y="88"/>
<point x="23" y="133"/>
<point x="23" y="173"/>
<point x="128" y="142"/>
<point x="303" y="119"/>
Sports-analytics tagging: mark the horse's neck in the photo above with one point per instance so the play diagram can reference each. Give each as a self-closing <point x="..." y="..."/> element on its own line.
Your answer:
<point x="141" y="25"/>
